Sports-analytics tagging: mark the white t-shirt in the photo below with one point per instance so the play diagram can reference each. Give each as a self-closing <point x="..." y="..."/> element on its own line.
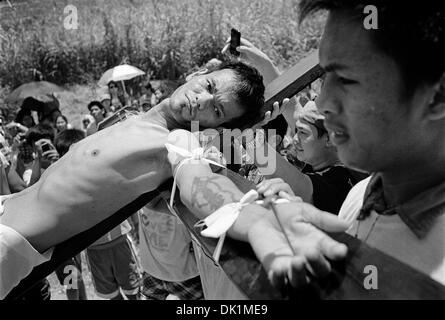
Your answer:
<point x="389" y="234"/>
<point x="165" y="245"/>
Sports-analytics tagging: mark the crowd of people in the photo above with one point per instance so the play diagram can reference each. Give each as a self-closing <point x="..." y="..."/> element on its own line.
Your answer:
<point x="30" y="143"/>
<point x="364" y="154"/>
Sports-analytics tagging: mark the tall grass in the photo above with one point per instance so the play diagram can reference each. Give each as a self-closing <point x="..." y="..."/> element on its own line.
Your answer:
<point x="165" y="37"/>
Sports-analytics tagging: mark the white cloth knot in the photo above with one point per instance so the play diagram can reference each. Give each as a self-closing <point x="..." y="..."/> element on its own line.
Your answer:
<point x="195" y="154"/>
<point x="222" y="219"/>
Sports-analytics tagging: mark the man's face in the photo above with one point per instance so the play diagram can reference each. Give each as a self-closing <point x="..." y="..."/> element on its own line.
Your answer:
<point x="310" y="148"/>
<point x="367" y="116"/>
<point x="106" y="103"/>
<point x="27" y="121"/>
<point x="206" y="98"/>
<point x="96" y="112"/>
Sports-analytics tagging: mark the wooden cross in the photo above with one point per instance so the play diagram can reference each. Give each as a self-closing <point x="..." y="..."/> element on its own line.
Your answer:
<point x="237" y="261"/>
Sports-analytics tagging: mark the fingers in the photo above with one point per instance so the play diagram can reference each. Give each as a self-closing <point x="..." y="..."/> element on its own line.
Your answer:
<point x="265" y="184"/>
<point x="317" y="263"/>
<point x="288" y="271"/>
<point x="276" y="110"/>
<point x="226" y="47"/>
<point x="51" y="155"/>
<point x="297" y="272"/>
<point x="247" y="43"/>
<point x="290" y="197"/>
<point x="244" y="49"/>
<point x="323" y="220"/>
<point x="285" y="102"/>
<point x="332" y="249"/>
<point x="267" y="118"/>
<point x="275" y="186"/>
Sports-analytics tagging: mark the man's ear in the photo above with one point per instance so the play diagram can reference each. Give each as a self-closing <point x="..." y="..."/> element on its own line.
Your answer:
<point x="197" y="73"/>
<point x="436" y="106"/>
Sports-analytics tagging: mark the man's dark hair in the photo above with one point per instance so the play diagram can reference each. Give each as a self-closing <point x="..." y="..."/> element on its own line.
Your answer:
<point x="66" y="138"/>
<point x="22" y="114"/>
<point x="412" y="34"/>
<point x="249" y="93"/>
<point x="40" y="131"/>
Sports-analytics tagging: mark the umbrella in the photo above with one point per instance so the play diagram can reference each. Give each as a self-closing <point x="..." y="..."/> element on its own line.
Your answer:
<point x="39" y="90"/>
<point x="120" y="73"/>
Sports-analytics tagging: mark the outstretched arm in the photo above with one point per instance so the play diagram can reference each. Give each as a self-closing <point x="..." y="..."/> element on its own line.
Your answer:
<point x="203" y="192"/>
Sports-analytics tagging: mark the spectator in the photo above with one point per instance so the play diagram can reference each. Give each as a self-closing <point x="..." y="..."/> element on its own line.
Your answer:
<point x="25" y="118"/>
<point x="145" y="99"/>
<point x="324" y="177"/>
<point x="62" y="123"/>
<point x="33" y="158"/>
<point x="166" y="254"/>
<point x="69" y="273"/>
<point x="156" y="98"/>
<point x="113" y="265"/>
<point x="87" y="120"/>
<point x="105" y="100"/>
<point x="97" y="110"/>
<point x="118" y="99"/>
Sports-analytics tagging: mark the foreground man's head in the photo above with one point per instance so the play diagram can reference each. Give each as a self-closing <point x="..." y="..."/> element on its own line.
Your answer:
<point x="383" y="92"/>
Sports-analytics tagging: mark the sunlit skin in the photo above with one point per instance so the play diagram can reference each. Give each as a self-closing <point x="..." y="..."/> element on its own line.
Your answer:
<point x="107" y="104"/>
<point x="111" y="167"/>
<point x="206" y="98"/>
<point x="97" y="113"/>
<point x="318" y="152"/>
<point x="371" y="121"/>
<point x="113" y="89"/>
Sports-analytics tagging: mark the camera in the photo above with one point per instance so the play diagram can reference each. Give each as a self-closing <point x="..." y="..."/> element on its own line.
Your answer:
<point x="46" y="147"/>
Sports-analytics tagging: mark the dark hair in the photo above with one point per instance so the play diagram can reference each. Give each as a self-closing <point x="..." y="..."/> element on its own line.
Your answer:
<point x="40" y="131"/>
<point x="412" y="34"/>
<point x="113" y="82"/>
<point x="22" y="114"/>
<point x="66" y="138"/>
<point x="279" y="124"/>
<point x="95" y="103"/>
<point x="249" y="92"/>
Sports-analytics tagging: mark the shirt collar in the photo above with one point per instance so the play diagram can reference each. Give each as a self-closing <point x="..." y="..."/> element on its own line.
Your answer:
<point x="419" y="213"/>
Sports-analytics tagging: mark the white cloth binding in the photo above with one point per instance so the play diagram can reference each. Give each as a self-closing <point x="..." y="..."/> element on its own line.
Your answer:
<point x="220" y="221"/>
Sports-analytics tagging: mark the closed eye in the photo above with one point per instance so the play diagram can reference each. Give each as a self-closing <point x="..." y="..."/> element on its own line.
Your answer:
<point x="346" y="81"/>
<point x="209" y="86"/>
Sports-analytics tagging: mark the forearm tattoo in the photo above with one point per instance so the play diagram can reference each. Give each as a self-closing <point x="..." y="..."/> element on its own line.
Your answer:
<point x="208" y="195"/>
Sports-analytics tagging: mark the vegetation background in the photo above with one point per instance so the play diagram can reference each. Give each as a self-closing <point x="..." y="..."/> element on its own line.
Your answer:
<point x="166" y="38"/>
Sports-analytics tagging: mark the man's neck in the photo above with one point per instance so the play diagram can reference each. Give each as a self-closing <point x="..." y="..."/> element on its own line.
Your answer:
<point x="161" y="113"/>
<point x="405" y="183"/>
